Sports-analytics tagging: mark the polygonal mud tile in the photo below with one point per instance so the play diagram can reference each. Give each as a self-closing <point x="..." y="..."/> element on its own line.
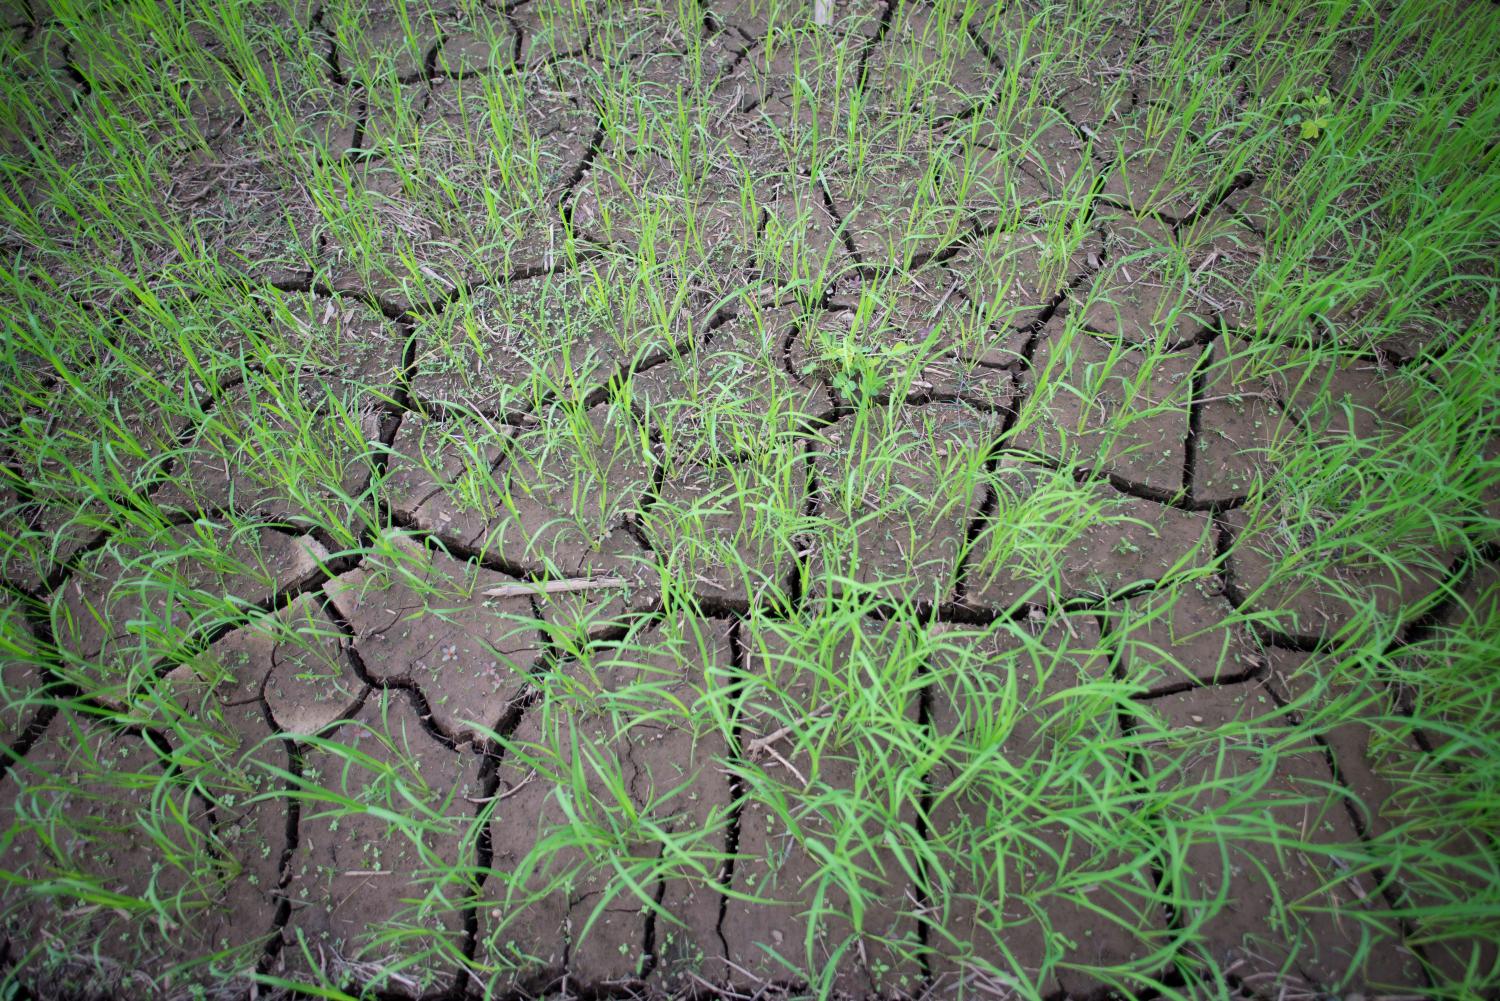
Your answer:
<point x="252" y="218"/>
<point x="1095" y="103"/>
<point x="606" y="783"/>
<point x="1282" y="567"/>
<point x="1408" y="796"/>
<point x="1023" y="160"/>
<point x="41" y="533"/>
<point x="1015" y="277"/>
<point x="1248" y="204"/>
<point x="294" y="659"/>
<point x="547" y="32"/>
<point x="91" y="815"/>
<point x="1050" y="539"/>
<point x="1032" y="889"/>
<point x="1401" y="330"/>
<point x="75" y="447"/>
<point x="1352" y="713"/>
<point x="30" y="529"/>
<point x="1146" y="176"/>
<point x="24" y="560"/>
<point x="1184" y="634"/>
<point x="24" y="678"/>
<point x="751" y="92"/>
<point x="1343" y="398"/>
<point x="274" y="44"/>
<point x="251" y="833"/>
<point x="1489" y="498"/>
<point x="901" y="206"/>
<point x="442" y="467"/>
<point x="499" y="210"/>
<point x="166" y="360"/>
<point x="247" y="806"/>
<point x="653" y="56"/>
<point x="33" y="54"/>
<point x="130" y="604"/>
<point x="708" y="63"/>
<point x="429" y="254"/>
<point x="999" y="346"/>
<point x="1258" y="829"/>
<point x="1114" y="409"/>
<point x="898" y="342"/>
<point x="962" y="380"/>
<point x="732" y="394"/>
<point x="726" y="531"/>
<point x="691" y="900"/>
<point x="1149" y="290"/>
<point x="1471" y="615"/>
<point x="818" y="894"/>
<point x="255" y="220"/>
<point x="927" y="61"/>
<point x="402" y="246"/>
<point x="568" y="481"/>
<point x="1239" y="419"/>
<point x="801" y="236"/>
<point x="1214" y="21"/>
<point x="944" y="377"/>
<point x="896" y="490"/>
<point x="558" y="334"/>
<point x="384" y="849"/>
<point x="475" y="41"/>
<point x="112" y="54"/>
<point x="634" y="197"/>
<point x="1222" y="254"/>
<point x="850" y="23"/>
<point x="338" y="334"/>
<point x="298" y="447"/>
<point x="423" y="618"/>
<point x="559" y="501"/>
<point x="377" y="40"/>
<point x="439" y="454"/>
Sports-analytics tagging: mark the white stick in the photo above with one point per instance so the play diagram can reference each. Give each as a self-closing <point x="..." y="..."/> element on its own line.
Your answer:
<point x="822" y="11"/>
<point x="553" y="587"/>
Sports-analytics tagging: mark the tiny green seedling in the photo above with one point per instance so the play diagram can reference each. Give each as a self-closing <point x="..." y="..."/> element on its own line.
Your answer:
<point x="1314" y="115"/>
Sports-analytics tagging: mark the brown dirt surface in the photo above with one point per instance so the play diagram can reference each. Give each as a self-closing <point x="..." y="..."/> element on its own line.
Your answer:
<point x="695" y="504"/>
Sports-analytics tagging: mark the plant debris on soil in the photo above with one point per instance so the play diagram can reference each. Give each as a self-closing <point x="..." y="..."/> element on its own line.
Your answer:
<point x="713" y="498"/>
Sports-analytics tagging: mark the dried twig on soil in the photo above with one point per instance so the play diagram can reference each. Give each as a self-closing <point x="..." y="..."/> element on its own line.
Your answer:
<point x="553" y="587"/>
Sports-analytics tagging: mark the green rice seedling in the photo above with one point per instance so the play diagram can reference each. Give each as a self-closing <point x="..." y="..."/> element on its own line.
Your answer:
<point x="68" y="816"/>
<point x="896" y="493"/>
<point x="1421" y="835"/>
<point x="975" y="498"/>
<point x="1031" y="524"/>
<point x="827" y="718"/>
<point x="1033" y="765"/>
<point x="1252" y="786"/>
<point x="1117" y="408"/>
<point x="284" y="445"/>
<point x="1383" y="549"/>
<point x="637" y="829"/>
<point x="381" y="775"/>
<point x="725" y="530"/>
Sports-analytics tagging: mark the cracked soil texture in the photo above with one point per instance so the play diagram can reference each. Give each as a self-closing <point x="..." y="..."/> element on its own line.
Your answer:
<point x="733" y="569"/>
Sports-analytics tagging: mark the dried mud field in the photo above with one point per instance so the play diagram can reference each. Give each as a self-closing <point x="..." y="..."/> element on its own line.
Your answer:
<point x="677" y="499"/>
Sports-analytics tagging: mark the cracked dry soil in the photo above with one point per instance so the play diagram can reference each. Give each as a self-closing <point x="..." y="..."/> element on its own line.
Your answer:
<point x="400" y="672"/>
